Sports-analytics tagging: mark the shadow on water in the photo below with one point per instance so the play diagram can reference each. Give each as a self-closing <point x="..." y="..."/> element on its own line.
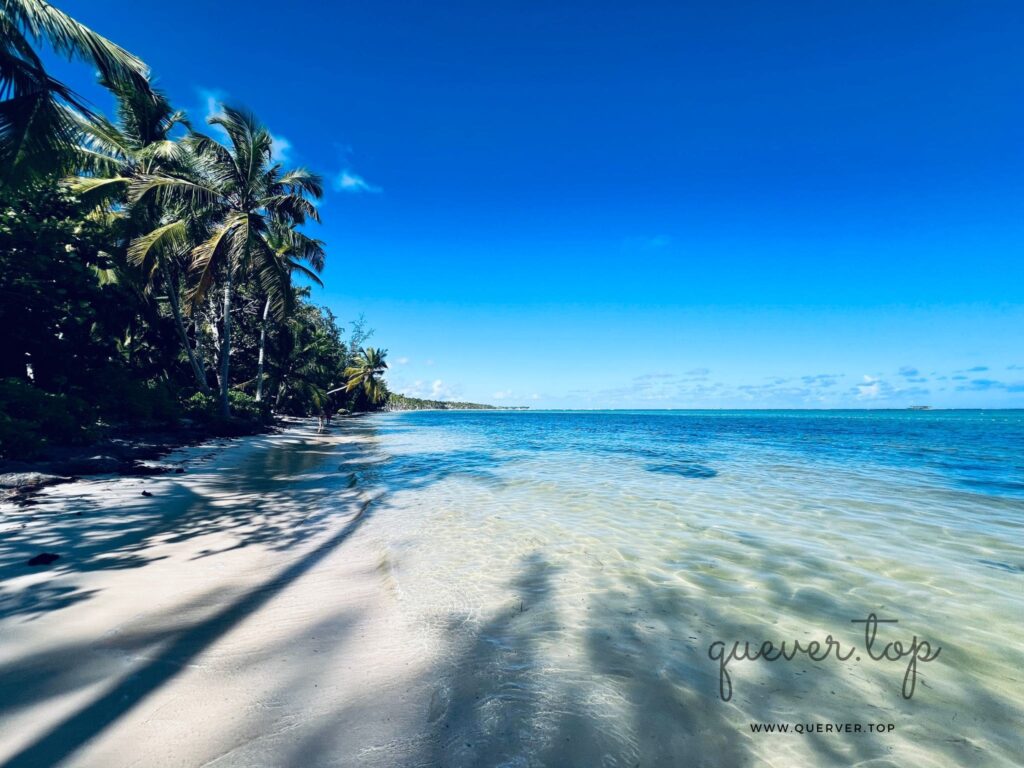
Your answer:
<point x="634" y="699"/>
<point x="630" y="701"/>
<point x="695" y="471"/>
<point x="645" y="692"/>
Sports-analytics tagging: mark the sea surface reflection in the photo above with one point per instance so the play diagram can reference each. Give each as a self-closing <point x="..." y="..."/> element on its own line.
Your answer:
<point x="567" y="572"/>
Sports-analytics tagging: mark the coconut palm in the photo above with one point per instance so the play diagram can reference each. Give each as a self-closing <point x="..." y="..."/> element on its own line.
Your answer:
<point x="364" y="373"/>
<point x="244" y="194"/>
<point x="138" y="145"/>
<point x="290" y="248"/>
<point x="310" y="356"/>
<point x="111" y="154"/>
<point x="37" y="128"/>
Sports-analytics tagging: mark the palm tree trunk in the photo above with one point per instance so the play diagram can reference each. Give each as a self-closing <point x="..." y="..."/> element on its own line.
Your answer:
<point x="263" y="346"/>
<point x="197" y="368"/>
<point x="214" y="325"/>
<point x="225" y="349"/>
<point x="280" y="386"/>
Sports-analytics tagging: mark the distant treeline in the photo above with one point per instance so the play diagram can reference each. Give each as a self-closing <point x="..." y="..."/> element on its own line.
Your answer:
<point x="398" y="402"/>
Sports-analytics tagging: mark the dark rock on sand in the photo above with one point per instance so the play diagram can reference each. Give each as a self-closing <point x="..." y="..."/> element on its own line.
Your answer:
<point x="44" y="558"/>
<point x="143" y="469"/>
<point x="18" y="486"/>
<point x="28" y="480"/>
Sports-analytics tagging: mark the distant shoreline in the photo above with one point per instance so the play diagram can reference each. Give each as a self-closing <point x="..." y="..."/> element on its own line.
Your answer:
<point x="529" y="409"/>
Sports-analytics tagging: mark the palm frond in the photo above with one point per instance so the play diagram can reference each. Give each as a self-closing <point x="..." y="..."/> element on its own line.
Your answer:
<point x="144" y="251"/>
<point x="210" y="254"/>
<point x="296" y="266"/>
<point x="74" y="40"/>
<point x="304" y="181"/>
<point x="172" y="189"/>
<point x="291" y="208"/>
<point x="94" y="190"/>
<point x="250" y="141"/>
<point x="37" y="131"/>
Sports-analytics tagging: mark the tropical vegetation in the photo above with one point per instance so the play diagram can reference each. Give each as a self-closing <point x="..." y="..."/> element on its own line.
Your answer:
<point x="397" y="402"/>
<point x="152" y="269"/>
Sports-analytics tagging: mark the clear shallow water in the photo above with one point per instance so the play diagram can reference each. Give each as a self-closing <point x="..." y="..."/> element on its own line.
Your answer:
<point x="566" y="573"/>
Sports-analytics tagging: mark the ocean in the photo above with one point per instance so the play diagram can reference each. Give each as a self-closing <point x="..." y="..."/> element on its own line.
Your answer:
<point x="585" y="584"/>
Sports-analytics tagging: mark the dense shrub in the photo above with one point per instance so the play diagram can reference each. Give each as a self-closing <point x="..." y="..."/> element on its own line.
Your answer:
<point x="126" y="400"/>
<point x="31" y="418"/>
<point x="207" y="407"/>
<point x="246" y="407"/>
<point x="201" y="406"/>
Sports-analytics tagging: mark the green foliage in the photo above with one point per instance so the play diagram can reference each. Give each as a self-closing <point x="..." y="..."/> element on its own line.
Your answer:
<point x="206" y="407"/>
<point x="37" y="132"/>
<point x="310" y="356"/>
<point x="165" y="265"/>
<point x="364" y="376"/>
<point x="30" y="419"/>
<point x="201" y="405"/>
<point x="244" y="208"/>
<point x="397" y="402"/>
<point x="244" y="406"/>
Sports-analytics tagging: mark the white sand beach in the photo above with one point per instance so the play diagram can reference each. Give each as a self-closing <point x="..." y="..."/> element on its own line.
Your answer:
<point x="220" y="621"/>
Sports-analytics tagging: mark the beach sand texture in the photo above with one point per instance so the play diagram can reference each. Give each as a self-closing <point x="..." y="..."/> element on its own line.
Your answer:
<point x="222" y="621"/>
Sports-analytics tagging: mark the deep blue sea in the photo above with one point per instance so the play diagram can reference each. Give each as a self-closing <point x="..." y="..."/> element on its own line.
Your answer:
<point x="570" y="572"/>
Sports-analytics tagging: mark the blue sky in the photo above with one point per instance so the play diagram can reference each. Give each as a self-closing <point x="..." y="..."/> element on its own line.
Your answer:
<point x="716" y="204"/>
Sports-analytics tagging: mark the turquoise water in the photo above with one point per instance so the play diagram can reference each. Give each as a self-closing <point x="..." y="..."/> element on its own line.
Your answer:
<point x="567" y="573"/>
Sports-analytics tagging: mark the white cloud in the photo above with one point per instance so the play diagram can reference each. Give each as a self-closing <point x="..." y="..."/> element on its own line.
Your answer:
<point x="870" y="389"/>
<point x="349" y="181"/>
<point x="428" y="362"/>
<point x="504" y="394"/>
<point x="210" y="103"/>
<point x="435" y="390"/>
<point x="280" y="149"/>
<point x="211" y="100"/>
<point x="402" y="361"/>
<point x="416" y="389"/>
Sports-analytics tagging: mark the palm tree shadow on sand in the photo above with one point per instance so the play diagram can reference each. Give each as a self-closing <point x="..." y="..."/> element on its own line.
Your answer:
<point x="292" y="505"/>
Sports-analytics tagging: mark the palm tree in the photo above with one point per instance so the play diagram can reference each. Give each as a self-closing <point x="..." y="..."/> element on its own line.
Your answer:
<point x="140" y="145"/>
<point x="306" y="367"/>
<point x="245" y="194"/>
<point x="290" y="248"/>
<point x="37" y="129"/>
<point x="364" y="373"/>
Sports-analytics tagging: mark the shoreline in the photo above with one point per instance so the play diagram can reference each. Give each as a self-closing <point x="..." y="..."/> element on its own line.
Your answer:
<point x="199" y="621"/>
<point x="124" y="453"/>
<point x="387" y="594"/>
